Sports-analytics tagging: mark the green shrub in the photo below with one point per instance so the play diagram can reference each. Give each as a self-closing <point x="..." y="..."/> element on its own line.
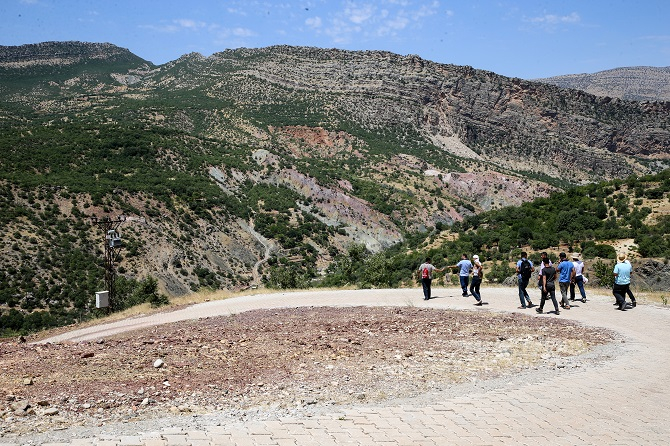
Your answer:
<point x="604" y="273"/>
<point x="499" y="272"/>
<point x="599" y="250"/>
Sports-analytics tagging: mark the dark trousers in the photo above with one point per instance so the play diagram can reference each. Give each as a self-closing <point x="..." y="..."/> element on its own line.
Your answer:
<point x="551" y="293"/>
<point x="620" y="292"/>
<point x="425" y="283"/>
<point x="474" y="287"/>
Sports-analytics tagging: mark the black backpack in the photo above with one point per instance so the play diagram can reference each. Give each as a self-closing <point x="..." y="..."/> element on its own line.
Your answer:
<point x="525" y="269"/>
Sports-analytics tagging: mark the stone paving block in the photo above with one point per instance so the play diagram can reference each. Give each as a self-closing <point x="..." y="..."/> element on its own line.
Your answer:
<point x="335" y="425"/>
<point x="196" y="435"/>
<point x="196" y="442"/>
<point x="173" y="431"/>
<point x="131" y="440"/>
<point x="220" y="439"/>
<point x="155" y="442"/>
<point x="176" y="440"/>
<point x="243" y="441"/>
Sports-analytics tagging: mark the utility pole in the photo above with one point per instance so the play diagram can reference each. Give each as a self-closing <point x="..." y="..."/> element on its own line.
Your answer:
<point x="112" y="247"/>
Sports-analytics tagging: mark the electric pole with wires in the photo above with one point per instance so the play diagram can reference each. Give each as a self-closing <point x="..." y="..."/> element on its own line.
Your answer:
<point x="113" y="246"/>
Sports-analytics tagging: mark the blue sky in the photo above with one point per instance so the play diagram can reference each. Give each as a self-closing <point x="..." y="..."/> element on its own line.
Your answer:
<point x="518" y="38"/>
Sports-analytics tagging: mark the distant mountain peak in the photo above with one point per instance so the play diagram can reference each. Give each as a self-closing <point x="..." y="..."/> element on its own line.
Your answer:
<point x="63" y="53"/>
<point x="629" y="83"/>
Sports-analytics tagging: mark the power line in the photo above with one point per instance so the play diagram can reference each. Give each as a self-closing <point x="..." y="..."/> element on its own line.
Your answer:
<point x="113" y="246"/>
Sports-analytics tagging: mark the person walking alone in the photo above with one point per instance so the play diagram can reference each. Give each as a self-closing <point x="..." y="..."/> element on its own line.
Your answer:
<point x="426" y="277"/>
<point x="622" y="272"/>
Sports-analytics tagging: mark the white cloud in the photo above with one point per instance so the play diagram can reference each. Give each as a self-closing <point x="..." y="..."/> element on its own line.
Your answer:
<point x="392" y="26"/>
<point x="241" y="32"/>
<point x="190" y="24"/>
<point x="178" y="25"/>
<point x="314" y="22"/>
<point x="163" y="28"/>
<point x="359" y="14"/>
<point x="360" y="20"/>
<point x="553" y="19"/>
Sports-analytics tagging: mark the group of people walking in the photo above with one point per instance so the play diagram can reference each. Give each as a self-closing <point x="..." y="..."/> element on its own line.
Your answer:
<point x="465" y="268"/>
<point x="568" y="273"/>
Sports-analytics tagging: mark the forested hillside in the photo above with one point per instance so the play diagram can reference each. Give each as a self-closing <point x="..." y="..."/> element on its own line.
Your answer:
<point x="288" y="167"/>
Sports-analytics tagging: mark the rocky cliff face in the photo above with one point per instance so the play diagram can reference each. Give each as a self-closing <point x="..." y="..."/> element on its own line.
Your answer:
<point x="629" y="83"/>
<point x="373" y="144"/>
<point x="511" y="123"/>
<point x="62" y="53"/>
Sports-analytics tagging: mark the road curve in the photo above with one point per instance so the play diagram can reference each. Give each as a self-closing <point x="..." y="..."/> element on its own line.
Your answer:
<point x="625" y="400"/>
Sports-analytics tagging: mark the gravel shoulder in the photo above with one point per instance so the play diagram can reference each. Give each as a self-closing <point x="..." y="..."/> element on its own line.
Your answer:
<point x="276" y="362"/>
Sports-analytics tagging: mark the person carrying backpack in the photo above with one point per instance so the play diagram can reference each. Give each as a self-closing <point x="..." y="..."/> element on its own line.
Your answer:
<point x="426" y="277"/>
<point x="524" y="269"/>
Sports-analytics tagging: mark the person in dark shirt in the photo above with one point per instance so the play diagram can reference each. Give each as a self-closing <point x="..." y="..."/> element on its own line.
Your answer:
<point x="548" y="286"/>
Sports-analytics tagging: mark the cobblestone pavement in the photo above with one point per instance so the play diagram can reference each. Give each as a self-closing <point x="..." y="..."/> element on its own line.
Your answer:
<point x="625" y="401"/>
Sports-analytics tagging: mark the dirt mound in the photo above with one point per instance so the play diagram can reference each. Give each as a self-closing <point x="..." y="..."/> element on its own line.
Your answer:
<point x="273" y="359"/>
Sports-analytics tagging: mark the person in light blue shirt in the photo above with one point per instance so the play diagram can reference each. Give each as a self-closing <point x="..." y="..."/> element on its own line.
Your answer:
<point x="566" y="273"/>
<point x="622" y="272"/>
<point x="464" y="266"/>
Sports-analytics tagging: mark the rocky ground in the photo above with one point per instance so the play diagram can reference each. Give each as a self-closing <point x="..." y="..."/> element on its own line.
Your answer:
<point x="278" y="361"/>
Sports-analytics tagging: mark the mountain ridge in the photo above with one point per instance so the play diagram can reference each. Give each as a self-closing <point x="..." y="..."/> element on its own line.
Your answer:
<point x="265" y="165"/>
<point x="639" y="83"/>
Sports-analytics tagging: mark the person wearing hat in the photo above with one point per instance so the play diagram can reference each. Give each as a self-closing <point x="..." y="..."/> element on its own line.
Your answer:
<point x="477" y="275"/>
<point x="578" y="278"/>
<point x="622" y="272"/>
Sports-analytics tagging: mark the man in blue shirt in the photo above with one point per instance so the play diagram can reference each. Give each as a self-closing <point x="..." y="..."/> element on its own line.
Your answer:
<point x="524" y="269"/>
<point x="464" y="266"/>
<point x="622" y="271"/>
<point x="566" y="272"/>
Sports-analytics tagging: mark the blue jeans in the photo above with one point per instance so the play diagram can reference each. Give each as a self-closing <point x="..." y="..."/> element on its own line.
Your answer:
<point x="579" y="281"/>
<point x="474" y="288"/>
<point x="464" y="284"/>
<point x="523" y="294"/>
